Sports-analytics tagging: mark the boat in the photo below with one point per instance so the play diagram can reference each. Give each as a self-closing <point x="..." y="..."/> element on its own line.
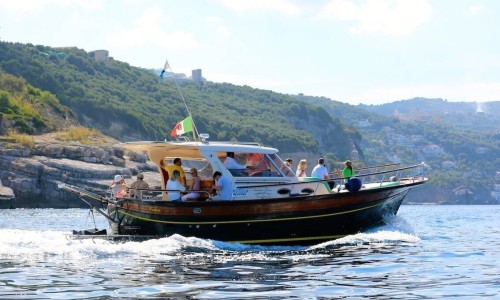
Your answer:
<point x="269" y="205"/>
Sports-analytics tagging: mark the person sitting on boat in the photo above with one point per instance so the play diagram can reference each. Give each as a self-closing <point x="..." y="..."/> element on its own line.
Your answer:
<point x="347" y="172"/>
<point x="289" y="162"/>
<point x="234" y="167"/>
<point x="195" y="186"/>
<point x="222" y="186"/>
<point x="175" y="187"/>
<point x="321" y="172"/>
<point x="118" y="187"/>
<point x="301" y="168"/>
<point x="231" y="163"/>
<point x="352" y="184"/>
<point x="137" y="187"/>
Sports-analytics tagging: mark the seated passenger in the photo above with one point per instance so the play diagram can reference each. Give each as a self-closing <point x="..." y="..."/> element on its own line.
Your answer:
<point x="347" y="172"/>
<point x="118" y="187"/>
<point x="137" y="187"/>
<point x="195" y="186"/>
<point x="301" y="168"/>
<point x="321" y="172"/>
<point x="222" y="186"/>
<point x="174" y="187"/>
<point x="231" y="163"/>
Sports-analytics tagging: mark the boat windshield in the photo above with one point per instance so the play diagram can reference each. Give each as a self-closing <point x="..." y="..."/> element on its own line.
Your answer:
<point x="282" y="166"/>
<point x="251" y="164"/>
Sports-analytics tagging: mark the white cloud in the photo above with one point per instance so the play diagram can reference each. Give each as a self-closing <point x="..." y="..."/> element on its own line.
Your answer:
<point x="475" y="9"/>
<point x="221" y="28"/>
<point x="148" y="31"/>
<point x="282" y="6"/>
<point x="33" y="5"/>
<point x="389" y="16"/>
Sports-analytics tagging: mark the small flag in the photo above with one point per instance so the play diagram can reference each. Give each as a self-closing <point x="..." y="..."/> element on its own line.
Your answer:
<point x="183" y="127"/>
<point x="164" y="69"/>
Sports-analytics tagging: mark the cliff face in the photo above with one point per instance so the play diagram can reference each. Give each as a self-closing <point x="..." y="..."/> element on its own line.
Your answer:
<point x="34" y="174"/>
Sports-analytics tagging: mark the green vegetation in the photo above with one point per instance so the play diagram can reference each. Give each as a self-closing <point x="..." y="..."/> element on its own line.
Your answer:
<point x="84" y="135"/>
<point x="22" y="139"/>
<point x="131" y="103"/>
<point x="44" y="89"/>
<point x="430" y="131"/>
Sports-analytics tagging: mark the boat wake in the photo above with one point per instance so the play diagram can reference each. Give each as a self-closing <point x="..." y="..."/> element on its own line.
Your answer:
<point x="25" y="244"/>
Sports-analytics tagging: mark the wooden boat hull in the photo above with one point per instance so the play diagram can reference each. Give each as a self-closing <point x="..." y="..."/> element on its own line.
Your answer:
<point x="301" y="220"/>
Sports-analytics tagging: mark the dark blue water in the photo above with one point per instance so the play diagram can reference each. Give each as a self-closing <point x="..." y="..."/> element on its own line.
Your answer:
<point x="426" y="252"/>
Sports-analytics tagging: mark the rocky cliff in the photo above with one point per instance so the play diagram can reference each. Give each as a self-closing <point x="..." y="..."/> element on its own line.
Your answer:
<point x="34" y="173"/>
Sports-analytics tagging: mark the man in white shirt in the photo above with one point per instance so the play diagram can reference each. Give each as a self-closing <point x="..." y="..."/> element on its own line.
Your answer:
<point x="222" y="186"/>
<point x="231" y="163"/>
<point x="320" y="171"/>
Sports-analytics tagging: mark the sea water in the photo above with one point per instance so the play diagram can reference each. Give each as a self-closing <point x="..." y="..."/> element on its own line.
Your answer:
<point x="425" y="252"/>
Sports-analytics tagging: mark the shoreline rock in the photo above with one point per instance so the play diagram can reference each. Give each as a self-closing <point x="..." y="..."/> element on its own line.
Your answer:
<point x="33" y="175"/>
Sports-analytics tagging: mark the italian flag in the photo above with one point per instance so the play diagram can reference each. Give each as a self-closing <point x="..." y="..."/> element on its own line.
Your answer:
<point x="183" y="127"/>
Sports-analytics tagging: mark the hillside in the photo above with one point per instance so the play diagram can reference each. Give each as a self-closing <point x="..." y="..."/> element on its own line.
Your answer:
<point x="460" y="115"/>
<point x="130" y="103"/>
<point x="460" y="145"/>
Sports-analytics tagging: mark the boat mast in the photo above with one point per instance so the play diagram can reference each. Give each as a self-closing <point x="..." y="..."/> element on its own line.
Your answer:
<point x="195" y="131"/>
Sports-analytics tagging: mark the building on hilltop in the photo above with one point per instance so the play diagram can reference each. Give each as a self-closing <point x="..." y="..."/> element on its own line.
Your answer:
<point x="196" y="75"/>
<point x="101" y="56"/>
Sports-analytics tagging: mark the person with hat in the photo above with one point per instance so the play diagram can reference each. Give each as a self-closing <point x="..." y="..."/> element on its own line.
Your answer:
<point x="118" y="187"/>
<point x="137" y="187"/>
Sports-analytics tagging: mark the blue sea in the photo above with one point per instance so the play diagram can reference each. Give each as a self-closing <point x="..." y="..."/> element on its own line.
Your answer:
<point x="425" y="252"/>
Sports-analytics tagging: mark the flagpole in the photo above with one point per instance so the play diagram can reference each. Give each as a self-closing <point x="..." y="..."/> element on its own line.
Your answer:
<point x="195" y="131"/>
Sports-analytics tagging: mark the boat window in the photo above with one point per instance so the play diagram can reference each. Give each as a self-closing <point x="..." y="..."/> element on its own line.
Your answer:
<point x="282" y="166"/>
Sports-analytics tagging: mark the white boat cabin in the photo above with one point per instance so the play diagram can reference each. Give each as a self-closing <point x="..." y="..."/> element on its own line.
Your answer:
<point x="256" y="172"/>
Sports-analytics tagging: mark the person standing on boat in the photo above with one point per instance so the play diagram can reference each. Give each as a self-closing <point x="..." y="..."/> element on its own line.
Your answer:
<point x="195" y="185"/>
<point x="177" y="166"/>
<point x="174" y="186"/>
<point x="118" y="187"/>
<point x="301" y="168"/>
<point x="289" y="162"/>
<point x="231" y="163"/>
<point x="223" y="186"/>
<point x="137" y="186"/>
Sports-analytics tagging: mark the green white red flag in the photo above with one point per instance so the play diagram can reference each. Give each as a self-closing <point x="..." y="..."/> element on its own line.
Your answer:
<point x="183" y="127"/>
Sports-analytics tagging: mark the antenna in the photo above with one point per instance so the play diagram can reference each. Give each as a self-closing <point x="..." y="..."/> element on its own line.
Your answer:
<point x="167" y="66"/>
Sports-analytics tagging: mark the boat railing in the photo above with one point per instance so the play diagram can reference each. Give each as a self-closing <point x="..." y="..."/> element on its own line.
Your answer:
<point x="162" y="194"/>
<point x="410" y="174"/>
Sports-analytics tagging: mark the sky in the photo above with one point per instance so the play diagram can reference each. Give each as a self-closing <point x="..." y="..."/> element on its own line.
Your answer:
<point x="357" y="51"/>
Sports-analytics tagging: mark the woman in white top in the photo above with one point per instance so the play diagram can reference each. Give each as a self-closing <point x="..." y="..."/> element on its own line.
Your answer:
<point x="301" y="168"/>
<point x="175" y="187"/>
